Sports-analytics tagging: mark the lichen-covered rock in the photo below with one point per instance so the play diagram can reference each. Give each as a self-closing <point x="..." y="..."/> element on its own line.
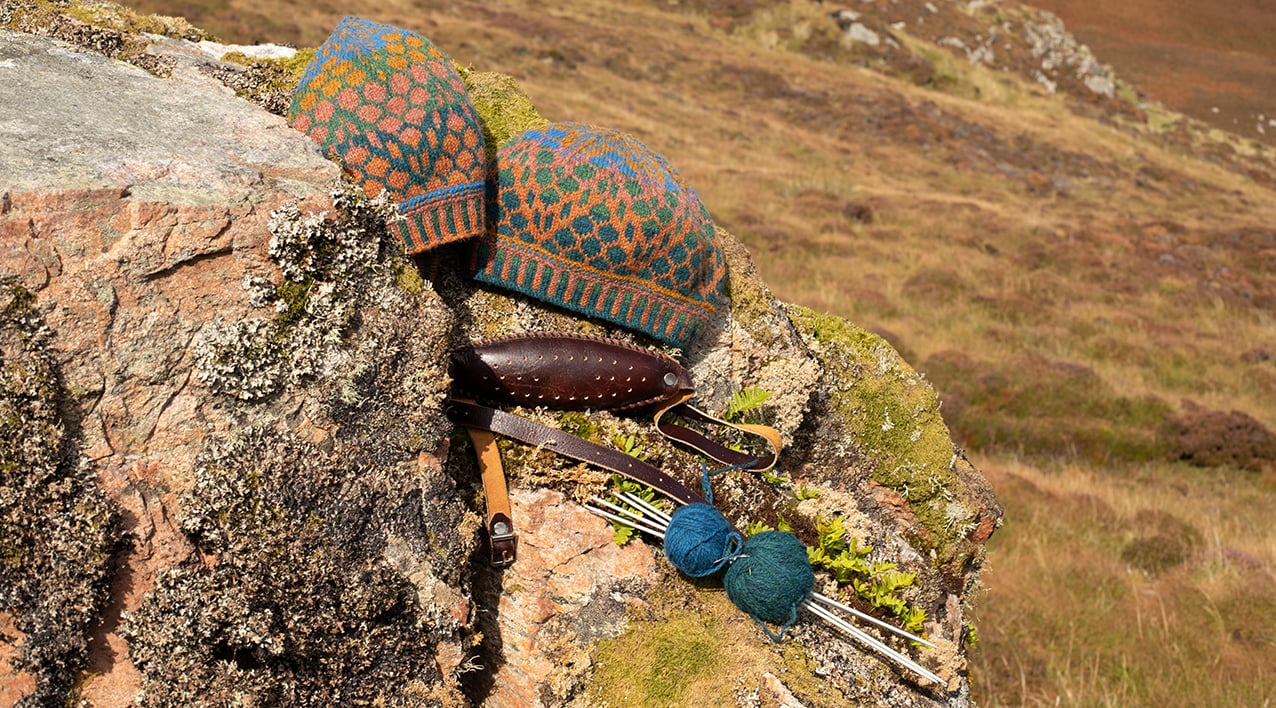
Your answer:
<point x="331" y="576"/>
<point x="255" y="377"/>
<point x="150" y="229"/>
<point x="57" y="529"/>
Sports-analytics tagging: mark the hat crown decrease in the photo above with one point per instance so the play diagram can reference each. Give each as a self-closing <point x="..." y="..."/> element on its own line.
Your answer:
<point x="591" y="220"/>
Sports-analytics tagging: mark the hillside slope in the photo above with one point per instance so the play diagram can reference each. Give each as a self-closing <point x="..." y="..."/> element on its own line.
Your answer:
<point x="945" y="201"/>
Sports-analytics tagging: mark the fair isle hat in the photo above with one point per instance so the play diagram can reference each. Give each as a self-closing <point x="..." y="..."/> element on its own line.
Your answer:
<point x="392" y="109"/>
<point x="591" y="220"/>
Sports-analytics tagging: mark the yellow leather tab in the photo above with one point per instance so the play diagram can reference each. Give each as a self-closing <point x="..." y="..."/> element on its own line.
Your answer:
<point x="499" y="519"/>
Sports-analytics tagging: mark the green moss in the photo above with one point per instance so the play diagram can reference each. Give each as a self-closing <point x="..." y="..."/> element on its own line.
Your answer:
<point x="408" y="278"/>
<point x="297" y="63"/>
<point x="281" y="74"/>
<point x="238" y="58"/>
<point x="580" y="425"/>
<point x="504" y="110"/>
<point x="122" y="19"/>
<point x="20" y="300"/>
<point x="693" y="647"/>
<point x="893" y="413"/>
<point x="293" y="296"/>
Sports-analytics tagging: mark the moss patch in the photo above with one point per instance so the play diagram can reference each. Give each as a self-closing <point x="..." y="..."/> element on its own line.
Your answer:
<point x="893" y="413"/>
<point x="269" y="83"/>
<point x="103" y="27"/>
<point x="693" y="647"/>
<point x="503" y="109"/>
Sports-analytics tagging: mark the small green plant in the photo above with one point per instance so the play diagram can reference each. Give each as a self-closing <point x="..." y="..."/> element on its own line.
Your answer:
<point x="757" y="527"/>
<point x="803" y="492"/>
<point x="744" y="401"/>
<point x="972" y="637"/>
<point x="624" y="533"/>
<point x="629" y="445"/>
<point x="775" y="479"/>
<point x="580" y="425"/>
<point x="876" y="582"/>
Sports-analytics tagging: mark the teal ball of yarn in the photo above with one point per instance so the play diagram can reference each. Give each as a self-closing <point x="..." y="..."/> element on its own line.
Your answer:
<point x="771" y="577"/>
<point x="699" y="541"/>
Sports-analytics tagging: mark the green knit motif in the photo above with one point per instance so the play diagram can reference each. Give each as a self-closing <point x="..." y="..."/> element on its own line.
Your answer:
<point x="591" y="220"/>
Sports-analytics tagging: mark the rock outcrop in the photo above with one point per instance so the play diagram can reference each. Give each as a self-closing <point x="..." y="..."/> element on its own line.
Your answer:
<point x="227" y="475"/>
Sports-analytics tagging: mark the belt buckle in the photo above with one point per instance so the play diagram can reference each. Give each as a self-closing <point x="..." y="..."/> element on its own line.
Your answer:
<point x="504" y="541"/>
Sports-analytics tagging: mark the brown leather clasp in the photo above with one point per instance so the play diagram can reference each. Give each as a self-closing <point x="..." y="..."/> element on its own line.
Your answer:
<point x="504" y="541"/>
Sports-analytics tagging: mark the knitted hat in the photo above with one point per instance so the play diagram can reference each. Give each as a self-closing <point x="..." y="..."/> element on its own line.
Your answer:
<point x="591" y="220"/>
<point x="391" y="107"/>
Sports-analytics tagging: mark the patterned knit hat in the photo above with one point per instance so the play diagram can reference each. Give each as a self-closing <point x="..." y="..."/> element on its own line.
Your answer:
<point x="591" y="220"/>
<point x="393" y="109"/>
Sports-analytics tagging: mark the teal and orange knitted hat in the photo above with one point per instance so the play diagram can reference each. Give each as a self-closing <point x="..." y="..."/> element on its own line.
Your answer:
<point x="391" y="107"/>
<point x="591" y="220"/>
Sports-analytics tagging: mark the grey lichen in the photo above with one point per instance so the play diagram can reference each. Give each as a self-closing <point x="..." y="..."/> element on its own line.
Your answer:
<point x="327" y="267"/>
<point x="337" y="554"/>
<point x="302" y="603"/>
<point x="57" y="530"/>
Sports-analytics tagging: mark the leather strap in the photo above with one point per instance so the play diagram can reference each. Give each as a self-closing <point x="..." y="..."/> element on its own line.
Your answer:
<point x="472" y="416"/>
<point x="698" y="442"/>
<point x="500" y="522"/>
<point x="482" y="421"/>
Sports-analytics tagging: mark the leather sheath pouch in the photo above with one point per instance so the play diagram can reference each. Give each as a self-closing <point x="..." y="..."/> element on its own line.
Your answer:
<point x="576" y="372"/>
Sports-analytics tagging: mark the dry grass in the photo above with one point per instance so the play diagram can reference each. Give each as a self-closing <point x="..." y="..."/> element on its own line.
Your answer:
<point x="1066" y="620"/>
<point x="1095" y="271"/>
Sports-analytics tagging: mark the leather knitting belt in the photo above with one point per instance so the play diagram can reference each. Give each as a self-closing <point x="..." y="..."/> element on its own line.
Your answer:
<point x="484" y="419"/>
<point x="579" y="372"/>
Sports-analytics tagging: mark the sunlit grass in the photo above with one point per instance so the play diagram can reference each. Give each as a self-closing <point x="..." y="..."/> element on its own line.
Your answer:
<point x="1065" y="620"/>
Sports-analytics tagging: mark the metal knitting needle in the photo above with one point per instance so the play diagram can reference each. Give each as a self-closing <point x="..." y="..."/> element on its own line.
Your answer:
<point x="646" y="506"/>
<point x="636" y="515"/>
<point x="869" y="618"/>
<point x="870" y="641"/>
<point x="809" y="605"/>
<point x="634" y="519"/>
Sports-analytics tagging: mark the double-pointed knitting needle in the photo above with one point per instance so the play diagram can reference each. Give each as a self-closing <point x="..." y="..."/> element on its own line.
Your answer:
<point x="658" y="516"/>
<point x="649" y="519"/>
<point x="870" y="640"/>
<point x="825" y="599"/>
<point x="646" y="506"/>
<point x="635" y="518"/>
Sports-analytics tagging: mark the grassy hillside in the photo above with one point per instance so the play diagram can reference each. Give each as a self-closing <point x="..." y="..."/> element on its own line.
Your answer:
<point x="1222" y="55"/>
<point x="1090" y="283"/>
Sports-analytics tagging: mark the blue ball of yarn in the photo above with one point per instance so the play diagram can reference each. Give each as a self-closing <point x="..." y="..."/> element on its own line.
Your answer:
<point x="699" y="541"/>
<point x="771" y="577"/>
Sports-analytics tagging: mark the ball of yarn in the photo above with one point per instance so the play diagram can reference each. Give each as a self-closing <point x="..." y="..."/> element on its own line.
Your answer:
<point x="699" y="541"/>
<point x="771" y="577"/>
